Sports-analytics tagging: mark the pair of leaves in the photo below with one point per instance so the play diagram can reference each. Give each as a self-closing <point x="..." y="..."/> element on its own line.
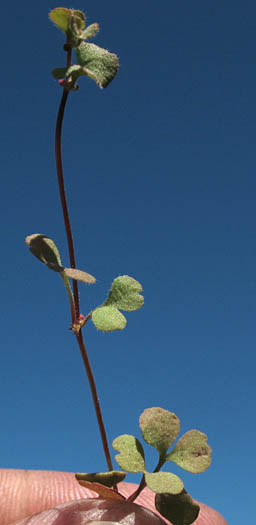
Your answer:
<point x="124" y="295"/>
<point x="92" y="60"/>
<point x="47" y="252"/>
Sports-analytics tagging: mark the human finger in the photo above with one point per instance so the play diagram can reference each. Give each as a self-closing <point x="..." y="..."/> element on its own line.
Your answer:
<point x="27" y="493"/>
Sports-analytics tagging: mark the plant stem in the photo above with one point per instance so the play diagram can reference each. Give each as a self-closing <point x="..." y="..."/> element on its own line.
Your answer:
<point x="63" y="195"/>
<point x="71" y="250"/>
<point x="142" y="484"/>
<point x="95" y="398"/>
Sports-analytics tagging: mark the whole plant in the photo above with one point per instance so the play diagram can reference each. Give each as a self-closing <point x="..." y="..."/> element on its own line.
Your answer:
<point x="159" y="427"/>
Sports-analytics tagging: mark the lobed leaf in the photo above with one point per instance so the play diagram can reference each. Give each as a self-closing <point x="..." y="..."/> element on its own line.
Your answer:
<point x="164" y="483"/>
<point x="131" y="457"/>
<point x="159" y="428"/>
<point x="108" y="479"/>
<point x="108" y="319"/>
<point x="179" y="509"/>
<point x="192" y="452"/>
<point x="98" y="63"/>
<point x="125" y="294"/>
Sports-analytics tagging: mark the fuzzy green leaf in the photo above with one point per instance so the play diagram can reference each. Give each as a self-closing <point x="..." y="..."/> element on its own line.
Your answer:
<point x="164" y="483"/>
<point x="159" y="428"/>
<point x="61" y="17"/>
<point x="125" y="294"/>
<point x="98" y="63"/>
<point x="90" y="32"/>
<point x="79" y="275"/>
<point x="108" y="479"/>
<point x="45" y="250"/>
<point x="192" y="452"/>
<point x="179" y="509"/>
<point x="131" y="457"/>
<point x="108" y="319"/>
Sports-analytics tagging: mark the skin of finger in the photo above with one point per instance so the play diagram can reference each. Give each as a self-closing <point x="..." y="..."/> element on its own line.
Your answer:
<point x="27" y="492"/>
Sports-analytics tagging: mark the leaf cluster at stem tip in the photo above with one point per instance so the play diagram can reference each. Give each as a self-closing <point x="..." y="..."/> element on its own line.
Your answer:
<point x="92" y="61"/>
<point x="159" y="428"/>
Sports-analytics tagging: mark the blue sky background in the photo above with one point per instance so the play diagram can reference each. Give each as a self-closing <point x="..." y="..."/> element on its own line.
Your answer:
<point x="160" y="177"/>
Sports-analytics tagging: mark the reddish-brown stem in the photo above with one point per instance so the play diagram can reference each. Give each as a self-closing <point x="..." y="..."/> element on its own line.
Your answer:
<point x="62" y="189"/>
<point x="142" y="484"/>
<point x="68" y="229"/>
<point x="95" y="398"/>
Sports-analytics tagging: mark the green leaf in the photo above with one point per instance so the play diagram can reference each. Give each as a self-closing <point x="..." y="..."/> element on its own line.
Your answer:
<point x="79" y="275"/>
<point x="159" y="428"/>
<point x="179" y="509"/>
<point x="108" y="319"/>
<point x="108" y="479"/>
<point x="192" y="452"/>
<point x="164" y="483"/>
<point x="131" y="457"/>
<point x="98" y="63"/>
<point x="45" y="250"/>
<point x="90" y="32"/>
<point x="61" y="17"/>
<point x="125" y="294"/>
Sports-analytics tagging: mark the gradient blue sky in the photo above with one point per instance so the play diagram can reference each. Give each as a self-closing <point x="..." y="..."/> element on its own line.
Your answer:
<point x="160" y="176"/>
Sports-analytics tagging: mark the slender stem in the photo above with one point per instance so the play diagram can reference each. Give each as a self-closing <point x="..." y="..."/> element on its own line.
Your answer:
<point x="62" y="189"/>
<point x="95" y="398"/>
<point x="141" y="486"/>
<point x="79" y="335"/>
